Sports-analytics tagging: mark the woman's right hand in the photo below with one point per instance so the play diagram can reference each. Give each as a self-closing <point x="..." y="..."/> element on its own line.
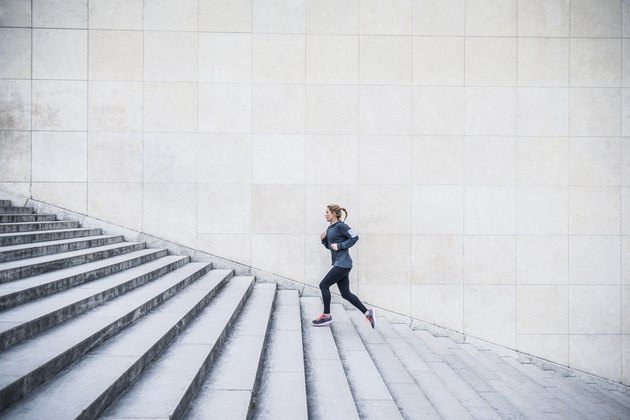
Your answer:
<point x="322" y="236"/>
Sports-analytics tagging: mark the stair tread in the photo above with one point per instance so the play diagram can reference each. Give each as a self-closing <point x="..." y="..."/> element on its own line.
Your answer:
<point x="282" y="390"/>
<point x="160" y="390"/>
<point x="328" y="392"/>
<point x="487" y="384"/>
<point x="235" y="370"/>
<point x="435" y="390"/>
<point x="371" y="395"/>
<point x="98" y="373"/>
<point x="39" y="350"/>
<point x="518" y="389"/>
<point x="582" y="399"/>
<point x="409" y="398"/>
<point x="469" y="398"/>
<point x="51" y="276"/>
<point x="482" y="391"/>
<point x="64" y="255"/>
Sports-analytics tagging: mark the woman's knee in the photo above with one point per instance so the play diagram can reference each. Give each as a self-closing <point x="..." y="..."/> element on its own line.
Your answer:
<point x="347" y="295"/>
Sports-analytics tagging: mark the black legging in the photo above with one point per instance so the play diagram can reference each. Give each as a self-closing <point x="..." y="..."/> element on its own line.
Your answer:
<point x="340" y="276"/>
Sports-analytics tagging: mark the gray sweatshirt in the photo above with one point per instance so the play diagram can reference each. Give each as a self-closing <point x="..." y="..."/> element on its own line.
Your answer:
<point x="339" y="233"/>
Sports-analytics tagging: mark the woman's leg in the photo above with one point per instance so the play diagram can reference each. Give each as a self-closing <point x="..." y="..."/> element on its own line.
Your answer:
<point x="344" y="288"/>
<point x="334" y="275"/>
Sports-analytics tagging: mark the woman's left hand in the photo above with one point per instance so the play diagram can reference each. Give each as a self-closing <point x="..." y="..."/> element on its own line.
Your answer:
<point x="334" y="247"/>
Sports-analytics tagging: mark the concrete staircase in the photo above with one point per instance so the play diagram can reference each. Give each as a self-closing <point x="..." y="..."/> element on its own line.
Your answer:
<point x="94" y="326"/>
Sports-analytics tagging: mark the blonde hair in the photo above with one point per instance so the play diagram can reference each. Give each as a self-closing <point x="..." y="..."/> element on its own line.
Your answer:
<point x="336" y="210"/>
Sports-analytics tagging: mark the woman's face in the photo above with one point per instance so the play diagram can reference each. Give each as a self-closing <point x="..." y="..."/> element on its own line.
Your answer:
<point x="329" y="215"/>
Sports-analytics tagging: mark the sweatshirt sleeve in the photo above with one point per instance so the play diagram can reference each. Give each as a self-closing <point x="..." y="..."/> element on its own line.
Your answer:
<point x="351" y="236"/>
<point x="325" y="242"/>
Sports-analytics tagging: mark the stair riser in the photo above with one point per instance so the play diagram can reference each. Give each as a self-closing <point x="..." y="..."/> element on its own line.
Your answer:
<point x="5" y="203"/>
<point x="28" y="383"/>
<point x="45" y="237"/>
<point x="57" y="248"/>
<point x="16" y="210"/>
<point x="23" y="218"/>
<point x="35" y="269"/>
<point x="108" y="397"/>
<point x="181" y="408"/>
<point x="30" y="227"/>
<point x="23" y="296"/>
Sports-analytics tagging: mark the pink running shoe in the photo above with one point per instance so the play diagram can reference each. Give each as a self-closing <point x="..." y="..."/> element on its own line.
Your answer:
<point x="371" y="317"/>
<point x="322" y="320"/>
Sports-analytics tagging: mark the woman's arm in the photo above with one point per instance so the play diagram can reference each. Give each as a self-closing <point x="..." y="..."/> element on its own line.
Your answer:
<point x="322" y="237"/>
<point x="351" y="236"/>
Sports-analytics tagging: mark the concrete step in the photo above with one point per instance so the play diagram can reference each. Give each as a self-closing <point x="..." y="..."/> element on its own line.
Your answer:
<point x="469" y="398"/>
<point x="472" y="376"/>
<point x="26" y="320"/>
<point x="22" y="218"/>
<point x="602" y="387"/>
<point x="18" y="292"/>
<point x="618" y="392"/>
<point x="20" y="252"/>
<point x="444" y="402"/>
<point x="11" y="239"/>
<point x="522" y="392"/>
<point x="586" y="400"/>
<point x="327" y="389"/>
<point x="166" y="388"/>
<point x="508" y="402"/>
<point x="34" y="361"/>
<point x="371" y="396"/>
<point x="282" y="392"/>
<point x="15" y="270"/>
<point x="88" y="387"/>
<point x="228" y="389"/>
<point x="16" y="210"/>
<point x="409" y="398"/>
<point x="36" y="226"/>
<point x="5" y="203"/>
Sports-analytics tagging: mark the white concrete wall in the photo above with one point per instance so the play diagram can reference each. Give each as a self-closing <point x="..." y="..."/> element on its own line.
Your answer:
<point x="478" y="145"/>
